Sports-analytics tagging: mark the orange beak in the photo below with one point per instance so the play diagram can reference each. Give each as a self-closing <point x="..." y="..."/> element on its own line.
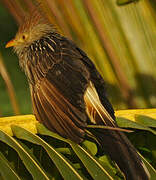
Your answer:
<point x="10" y="43"/>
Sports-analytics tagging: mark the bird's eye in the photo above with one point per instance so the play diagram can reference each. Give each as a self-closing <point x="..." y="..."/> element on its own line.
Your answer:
<point x="23" y="37"/>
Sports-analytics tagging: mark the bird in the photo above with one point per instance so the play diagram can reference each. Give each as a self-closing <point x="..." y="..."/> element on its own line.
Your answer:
<point x="68" y="92"/>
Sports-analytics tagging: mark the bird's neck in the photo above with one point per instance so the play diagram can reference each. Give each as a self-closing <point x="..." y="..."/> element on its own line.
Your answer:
<point x="39" y="56"/>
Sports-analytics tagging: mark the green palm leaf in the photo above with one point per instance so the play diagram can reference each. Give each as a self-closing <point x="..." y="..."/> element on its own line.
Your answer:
<point x="34" y="145"/>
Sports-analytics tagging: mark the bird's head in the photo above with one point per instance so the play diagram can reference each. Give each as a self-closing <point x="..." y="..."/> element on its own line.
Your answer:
<point x="33" y="28"/>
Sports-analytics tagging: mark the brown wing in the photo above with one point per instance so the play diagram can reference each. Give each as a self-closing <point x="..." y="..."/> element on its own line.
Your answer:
<point x="60" y="81"/>
<point x="58" y="114"/>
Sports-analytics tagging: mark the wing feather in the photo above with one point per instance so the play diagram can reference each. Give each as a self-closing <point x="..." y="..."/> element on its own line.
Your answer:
<point x="95" y="108"/>
<point x="40" y="113"/>
<point x="59" y="79"/>
<point x="57" y="113"/>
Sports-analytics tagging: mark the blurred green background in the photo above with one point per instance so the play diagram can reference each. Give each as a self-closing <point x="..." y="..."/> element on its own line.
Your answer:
<point x="8" y="28"/>
<point x="121" y="41"/>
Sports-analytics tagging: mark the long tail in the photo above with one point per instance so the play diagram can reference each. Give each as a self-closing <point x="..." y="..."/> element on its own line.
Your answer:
<point x="115" y="143"/>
